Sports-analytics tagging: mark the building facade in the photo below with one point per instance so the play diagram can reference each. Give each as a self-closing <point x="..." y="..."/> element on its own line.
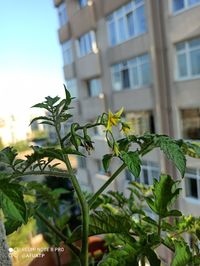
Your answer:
<point x="143" y="55"/>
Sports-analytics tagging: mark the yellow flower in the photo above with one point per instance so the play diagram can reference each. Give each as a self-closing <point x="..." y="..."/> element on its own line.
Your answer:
<point x="113" y="119"/>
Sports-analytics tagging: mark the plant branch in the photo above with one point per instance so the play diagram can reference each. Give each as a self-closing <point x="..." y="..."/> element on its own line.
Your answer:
<point x="105" y="185"/>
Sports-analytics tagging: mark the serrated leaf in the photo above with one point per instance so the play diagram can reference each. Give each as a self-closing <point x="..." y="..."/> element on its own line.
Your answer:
<point x="12" y="202"/>
<point x="173" y="152"/>
<point x="164" y="193"/>
<point x="182" y="255"/>
<point x="133" y="162"/>
<point x="67" y="96"/>
<point x="106" y="161"/>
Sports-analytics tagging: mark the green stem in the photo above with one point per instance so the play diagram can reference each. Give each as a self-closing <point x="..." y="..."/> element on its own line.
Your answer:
<point x="83" y="204"/>
<point x="85" y="214"/>
<point x="105" y="185"/>
<point x="46" y="173"/>
<point x="159" y="225"/>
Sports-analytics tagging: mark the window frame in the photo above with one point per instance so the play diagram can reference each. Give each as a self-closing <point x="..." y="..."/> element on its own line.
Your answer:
<point x="121" y="14"/>
<point x="187" y="6"/>
<point x="98" y="84"/>
<point x="130" y="64"/>
<point x="67" y="48"/>
<point x="62" y="14"/>
<point x="195" y="176"/>
<point x="89" y="44"/>
<point x="187" y="52"/>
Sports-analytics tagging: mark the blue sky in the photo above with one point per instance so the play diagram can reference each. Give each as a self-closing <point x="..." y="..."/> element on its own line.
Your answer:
<point x="30" y="55"/>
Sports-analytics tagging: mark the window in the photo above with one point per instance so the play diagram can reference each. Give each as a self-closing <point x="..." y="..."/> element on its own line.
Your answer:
<point x="178" y="5"/>
<point x="188" y="59"/>
<point x="191" y="123"/>
<point x="141" y="122"/>
<point x="94" y="87"/>
<point x="82" y="162"/>
<point x="126" y="22"/>
<point x="72" y="87"/>
<point x="83" y="3"/>
<point x="131" y="74"/>
<point x="67" y="52"/>
<point x="149" y="171"/>
<point x="62" y="14"/>
<point x="87" y="44"/>
<point x="192" y="183"/>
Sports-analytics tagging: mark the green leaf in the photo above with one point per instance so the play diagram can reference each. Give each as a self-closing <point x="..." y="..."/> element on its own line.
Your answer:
<point x="45" y="118"/>
<point x="182" y="255"/>
<point x="103" y="222"/>
<point x="172" y="151"/>
<point x="67" y="96"/>
<point x="12" y="202"/>
<point x="133" y="162"/>
<point x="8" y="155"/>
<point x="164" y="193"/>
<point x="106" y="161"/>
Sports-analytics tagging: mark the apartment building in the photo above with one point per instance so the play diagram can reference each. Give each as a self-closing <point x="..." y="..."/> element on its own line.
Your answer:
<point x="143" y="55"/>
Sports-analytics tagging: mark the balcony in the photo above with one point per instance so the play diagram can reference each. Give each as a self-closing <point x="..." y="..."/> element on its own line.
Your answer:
<point x="92" y="107"/>
<point x="64" y="33"/>
<point x="134" y="99"/>
<point x="88" y="66"/>
<point x="184" y="25"/>
<point x="86" y="15"/>
<point x="57" y="2"/>
<point x="69" y="71"/>
<point x="110" y="5"/>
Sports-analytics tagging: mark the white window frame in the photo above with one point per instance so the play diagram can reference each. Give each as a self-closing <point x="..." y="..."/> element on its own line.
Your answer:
<point x="129" y="65"/>
<point x="89" y="42"/>
<point x="121" y="13"/>
<point x="195" y="176"/>
<point x="67" y="50"/>
<point x="187" y="51"/>
<point x="186" y="7"/>
<point x="62" y="14"/>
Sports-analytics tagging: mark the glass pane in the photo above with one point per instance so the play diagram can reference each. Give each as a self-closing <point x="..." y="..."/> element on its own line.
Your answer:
<point x="194" y="43"/>
<point x="112" y="33"/>
<point x="182" y="65"/>
<point x="94" y="87"/>
<point x="125" y="79"/>
<point x="130" y="24"/>
<point x="145" y="176"/>
<point x="121" y="30"/>
<point x="134" y="73"/>
<point x="140" y="20"/>
<point x="178" y="5"/>
<point x="193" y="2"/>
<point x="195" y="62"/>
<point x="116" y="80"/>
<point x="82" y="46"/>
<point x="72" y="87"/>
<point x="192" y="188"/>
<point x="146" y="75"/>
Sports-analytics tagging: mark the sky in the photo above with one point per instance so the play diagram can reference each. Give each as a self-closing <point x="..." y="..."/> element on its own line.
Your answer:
<point x="30" y="55"/>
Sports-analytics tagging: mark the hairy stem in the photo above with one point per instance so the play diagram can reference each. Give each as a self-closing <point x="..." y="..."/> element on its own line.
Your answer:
<point x="83" y="204"/>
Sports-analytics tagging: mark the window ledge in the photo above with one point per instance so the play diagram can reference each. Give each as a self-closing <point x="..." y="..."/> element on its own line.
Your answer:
<point x="133" y="89"/>
<point x="129" y="39"/>
<point x="187" y="79"/>
<point x="192" y="200"/>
